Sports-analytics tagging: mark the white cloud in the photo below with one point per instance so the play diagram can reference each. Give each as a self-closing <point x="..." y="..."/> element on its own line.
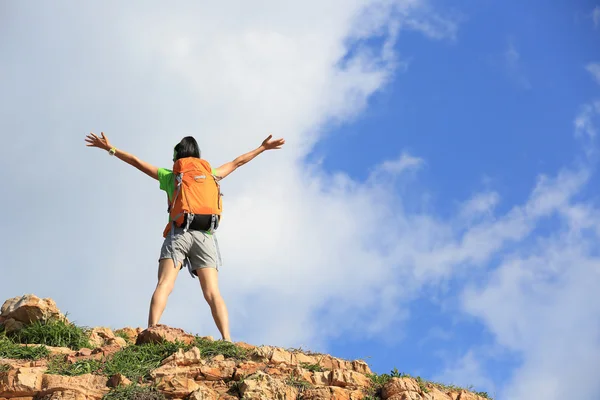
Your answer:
<point x="594" y="69"/>
<point x="398" y="166"/>
<point x="585" y="125"/>
<point x="229" y="75"/>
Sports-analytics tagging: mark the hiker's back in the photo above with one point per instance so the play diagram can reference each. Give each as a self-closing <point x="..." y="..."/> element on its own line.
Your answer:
<point x="197" y="195"/>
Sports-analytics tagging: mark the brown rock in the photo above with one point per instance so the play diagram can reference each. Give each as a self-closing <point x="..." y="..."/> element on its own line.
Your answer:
<point x="55" y="351"/>
<point x="204" y="393"/>
<point x="436" y="394"/>
<point x="100" y="335"/>
<point x="319" y="393"/>
<point x="362" y="367"/>
<point x="91" y="386"/>
<point x="247" y="368"/>
<point x="118" y="380"/>
<point x="131" y="333"/>
<point x="107" y="350"/>
<point x="12" y="325"/>
<point x="84" y="352"/>
<point x="348" y="378"/>
<point x="117" y="341"/>
<point x="181" y="358"/>
<point x="172" y="369"/>
<point x="262" y="354"/>
<point x="223" y="370"/>
<point x="162" y="333"/>
<point x="321" y="378"/>
<point x="245" y="345"/>
<point x="21" y="382"/>
<point x="30" y="308"/>
<point x="264" y="387"/>
<point x="64" y="395"/>
<point x="18" y="398"/>
<point x="282" y="356"/>
<point x="398" y="386"/>
<point x="177" y="386"/>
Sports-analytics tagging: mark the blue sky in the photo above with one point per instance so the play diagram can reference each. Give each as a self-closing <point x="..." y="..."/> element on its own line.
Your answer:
<point x="434" y="209"/>
<point x="491" y="109"/>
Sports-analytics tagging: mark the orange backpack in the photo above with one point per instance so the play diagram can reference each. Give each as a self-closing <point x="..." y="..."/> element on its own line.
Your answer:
<point x="196" y="200"/>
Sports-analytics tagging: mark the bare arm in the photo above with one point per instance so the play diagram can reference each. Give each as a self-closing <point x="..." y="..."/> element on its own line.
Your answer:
<point x="103" y="143"/>
<point x="231" y="166"/>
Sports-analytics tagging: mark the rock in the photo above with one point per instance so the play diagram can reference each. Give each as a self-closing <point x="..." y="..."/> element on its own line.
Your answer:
<point x="399" y="386"/>
<point x="204" y="393"/>
<point x="118" y="380"/>
<point x="107" y="350"/>
<point x="177" y="386"/>
<point x="282" y="356"/>
<point x="347" y="378"/>
<point x="99" y="336"/>
<point x="245" y="345"/>
<point x="64" y="395"/>
<point x="117" y="341"/>
<point x="434" y="393"/>
<point x="181" y="358"/>
<point x="262" y="354"/>
<point x="218" y="371"/>
<point x="247" y="368"/>
<point x="321" y="378"/>
<point x="28" y="309"/>
<point x="91" y="386"/>
<point x="21" y="382"/>
<point x="264" y="387"/>
<point x="162" y="333"/>
<point x="319" y="393"/>
<point x="131" y="333"/>
<point x="12" y="325"/>
<point x="84" y="352"/>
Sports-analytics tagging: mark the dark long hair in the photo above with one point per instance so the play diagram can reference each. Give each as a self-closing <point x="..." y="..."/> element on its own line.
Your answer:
<point x="188" y="147"/>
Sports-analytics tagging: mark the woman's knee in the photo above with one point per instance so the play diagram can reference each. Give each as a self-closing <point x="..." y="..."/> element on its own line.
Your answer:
<point x="211" y="296"/>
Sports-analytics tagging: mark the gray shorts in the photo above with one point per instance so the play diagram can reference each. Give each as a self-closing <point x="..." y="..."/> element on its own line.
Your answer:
<point x="193" y="249"/>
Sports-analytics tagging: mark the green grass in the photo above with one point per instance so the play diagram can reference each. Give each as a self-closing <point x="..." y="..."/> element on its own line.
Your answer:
<point x="297" y="382"/>
<point x="4" y="368"/>
<point x="10" y="349"/>
<point x="134" y="392"/>
<point x="136" y="362"/>
<point x="59" y="366"/>
<point x="210" y="348"/>
<point x="53" y="333"/>
<point x="312" y="367"/>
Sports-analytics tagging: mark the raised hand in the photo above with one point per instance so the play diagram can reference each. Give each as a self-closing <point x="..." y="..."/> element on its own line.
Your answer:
<point x="100" y="142"/>
<point x="269" y="144"/>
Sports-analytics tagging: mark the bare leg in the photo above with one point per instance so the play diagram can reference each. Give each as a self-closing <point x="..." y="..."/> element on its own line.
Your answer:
<point x="166" y="280"/>
<point x="209" y="281"/>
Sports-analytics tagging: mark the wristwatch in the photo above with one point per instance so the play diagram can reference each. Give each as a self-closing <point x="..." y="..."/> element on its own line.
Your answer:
<point x="112" y="151"/>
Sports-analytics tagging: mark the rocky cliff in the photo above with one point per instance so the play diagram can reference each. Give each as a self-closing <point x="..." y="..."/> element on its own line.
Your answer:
<point x="44" y="356"/>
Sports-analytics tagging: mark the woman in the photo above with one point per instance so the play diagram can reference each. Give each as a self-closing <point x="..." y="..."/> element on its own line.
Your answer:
<point x="189" y="240"/>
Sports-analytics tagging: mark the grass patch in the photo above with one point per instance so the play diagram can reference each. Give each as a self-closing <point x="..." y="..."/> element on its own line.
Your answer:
<point x="297" y="382"/>
<point x="53" y="332"/>
<point x="4" y="368"/>
<point x="312" y="367"/>
<point x="134" y="392"/>
<point x="136" y="362"/>
<point x="209" y="348"/>
<point x="9" y="349"/>
<point x="59" y="366"/>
